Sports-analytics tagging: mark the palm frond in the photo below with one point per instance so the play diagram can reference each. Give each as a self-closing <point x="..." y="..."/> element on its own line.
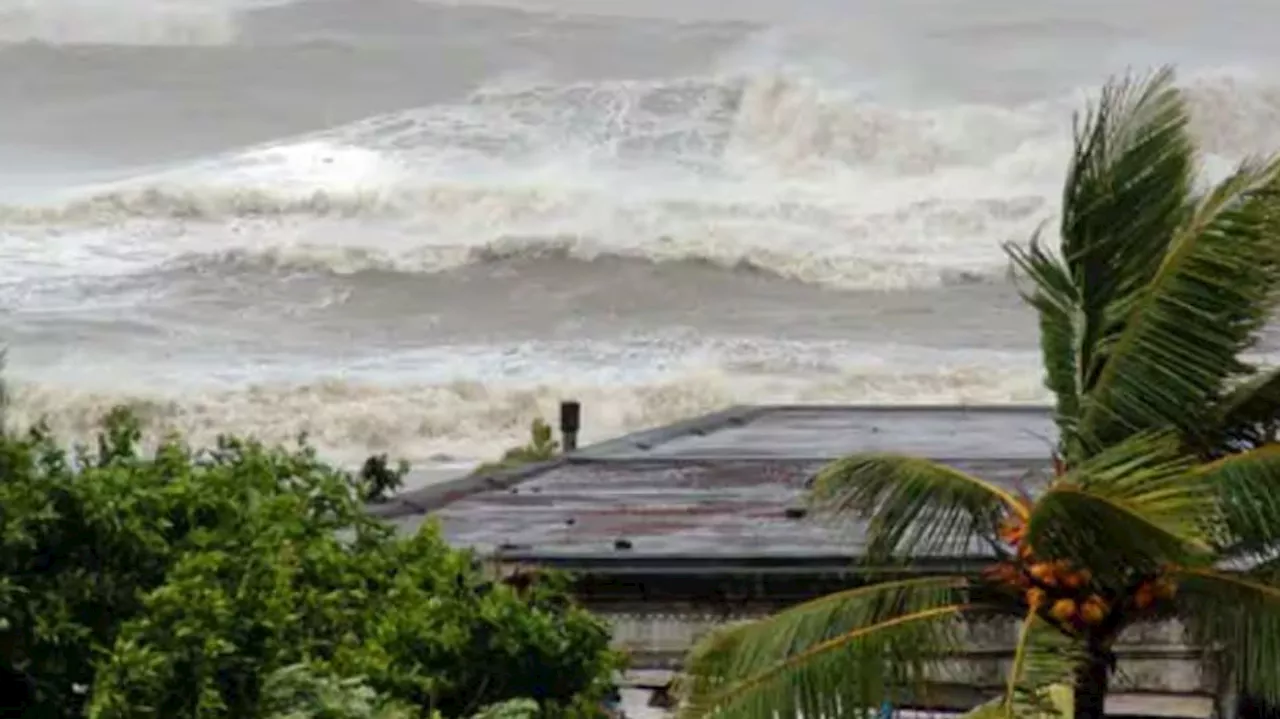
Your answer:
<point x="1247" y="416"/>
<point x="1238" y="615"/>
<point x="916" y="507"/>
<point x="1131" y="174"/>
<point x="834" y="656"/>
<point x="1182" y="333"/>
<point x="1135" y="506"/>
<point x="1125" y="194"/>
<point x="1057" y="301"/>
<point x="1043" y="658"/>
<point x="1248" y="488"/>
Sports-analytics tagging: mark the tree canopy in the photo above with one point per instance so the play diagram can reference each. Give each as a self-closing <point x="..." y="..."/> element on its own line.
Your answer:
<point x="202" y="583"/>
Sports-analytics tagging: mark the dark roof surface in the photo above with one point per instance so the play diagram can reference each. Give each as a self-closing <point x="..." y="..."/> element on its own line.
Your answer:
<point x="828" y="432"/>
<point x="720" y="486"/>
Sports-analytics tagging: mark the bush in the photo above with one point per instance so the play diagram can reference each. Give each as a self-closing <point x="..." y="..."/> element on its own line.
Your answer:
<point x="175" y="584"/>
<point x="542" y="447"/>
<point x="378" y="481"/>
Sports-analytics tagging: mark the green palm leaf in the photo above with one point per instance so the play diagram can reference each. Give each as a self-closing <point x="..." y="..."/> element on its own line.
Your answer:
<point x="1182" y="333"/>
<point x="1058" y="304"/>
<point x="835" y="656"/>
<point x="1155" y="293"/>
<point x="1135" y="506"/>
<point x="1248" y="486"/>
<point x="1043" y="659"/>
<point x="916" y="506"/>
<point x="1125" y="194"/>
<point x="1126" y="188"/>
<point x="1238" y="615"/>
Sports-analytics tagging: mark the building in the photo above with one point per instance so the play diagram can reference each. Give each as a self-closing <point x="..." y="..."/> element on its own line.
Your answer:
<point x="675" y="530"/>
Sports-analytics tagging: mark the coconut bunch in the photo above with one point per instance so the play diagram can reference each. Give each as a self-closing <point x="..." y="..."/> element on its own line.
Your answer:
<point x="1066" y="594"/>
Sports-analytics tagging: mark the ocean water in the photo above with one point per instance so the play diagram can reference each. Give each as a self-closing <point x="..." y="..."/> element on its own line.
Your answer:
<point x="411" y="227"/>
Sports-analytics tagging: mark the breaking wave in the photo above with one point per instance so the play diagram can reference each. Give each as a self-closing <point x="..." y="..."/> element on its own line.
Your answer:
<point x="768" y="172"/>
<point x="471" y="420"/>
<point x="772" y="172"/>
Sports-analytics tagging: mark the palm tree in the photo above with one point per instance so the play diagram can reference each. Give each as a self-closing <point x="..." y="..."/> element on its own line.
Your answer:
<point x="1164" y="500"/>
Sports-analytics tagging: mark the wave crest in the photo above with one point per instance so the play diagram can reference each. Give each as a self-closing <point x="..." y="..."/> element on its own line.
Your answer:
<point x="858" y="257"/>
<point x="771" y="172"/>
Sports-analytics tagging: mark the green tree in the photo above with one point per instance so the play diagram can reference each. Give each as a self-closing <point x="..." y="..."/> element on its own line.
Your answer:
<point x="1165" y="499"/>
<point x="174" y="584"/>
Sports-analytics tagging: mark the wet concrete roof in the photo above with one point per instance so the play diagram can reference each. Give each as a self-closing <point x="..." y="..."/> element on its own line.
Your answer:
<point x="722" y="486"/>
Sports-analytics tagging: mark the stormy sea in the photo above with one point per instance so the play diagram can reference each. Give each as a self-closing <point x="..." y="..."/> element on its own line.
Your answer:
<point x="412" y="227"/>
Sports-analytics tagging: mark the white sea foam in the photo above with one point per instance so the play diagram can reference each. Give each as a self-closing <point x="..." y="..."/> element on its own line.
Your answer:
<point x="770" y="172"/>
<point x="469" y="420"/>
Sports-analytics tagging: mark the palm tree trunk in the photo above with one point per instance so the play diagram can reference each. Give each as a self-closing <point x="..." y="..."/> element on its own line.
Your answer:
<point x="1091" y="684"/>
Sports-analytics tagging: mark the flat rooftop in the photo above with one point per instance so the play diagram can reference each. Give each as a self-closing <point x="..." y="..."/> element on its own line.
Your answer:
<point x="722" y="486"/>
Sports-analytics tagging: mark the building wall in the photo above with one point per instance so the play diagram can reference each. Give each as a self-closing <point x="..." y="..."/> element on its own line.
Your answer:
<point x="1151" y="659"/>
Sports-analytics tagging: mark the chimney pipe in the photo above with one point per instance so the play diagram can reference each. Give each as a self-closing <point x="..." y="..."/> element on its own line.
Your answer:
<point x="570" y="423"/>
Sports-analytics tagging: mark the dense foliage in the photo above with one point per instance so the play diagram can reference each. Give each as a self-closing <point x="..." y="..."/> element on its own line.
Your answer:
<point x="297" y="692"/>
<point x="1163" y="502"/>
<point x="186" y="583"/>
